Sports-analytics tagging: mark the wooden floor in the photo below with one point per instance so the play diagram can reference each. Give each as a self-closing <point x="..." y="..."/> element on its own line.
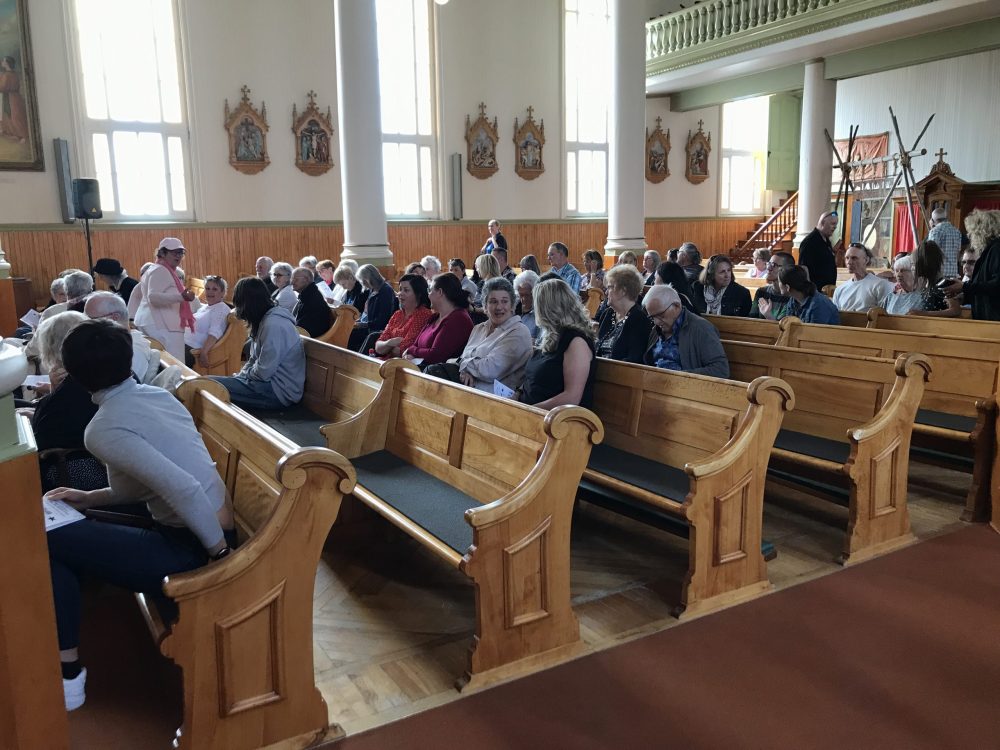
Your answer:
<point x="392" y="624"/>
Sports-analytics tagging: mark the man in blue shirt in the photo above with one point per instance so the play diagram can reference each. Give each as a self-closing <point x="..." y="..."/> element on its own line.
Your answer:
<point x="558" y="256"/>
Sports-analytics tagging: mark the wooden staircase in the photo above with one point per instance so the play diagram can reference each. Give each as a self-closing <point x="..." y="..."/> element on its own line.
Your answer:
<point x="774" y="233"/>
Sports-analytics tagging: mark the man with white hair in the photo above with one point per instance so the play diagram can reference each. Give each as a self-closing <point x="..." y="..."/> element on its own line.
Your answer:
<point x="432" y="266"/>
<point x="681" y="340"/>
<point x="263" y="270"/>
<point x="689" y="258"/>
<point x="310" y="261"/>
<point x="947" y="236"/>
<point x="111" y="306"/>
<point x="78" y="286"/>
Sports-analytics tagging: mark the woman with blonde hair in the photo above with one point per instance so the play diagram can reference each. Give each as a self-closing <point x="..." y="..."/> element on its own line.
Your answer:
<point x="628" y="258"/>
<point x="982" y="291"/>
<point x="487" y="268"/>
<point x="561" y="371"/>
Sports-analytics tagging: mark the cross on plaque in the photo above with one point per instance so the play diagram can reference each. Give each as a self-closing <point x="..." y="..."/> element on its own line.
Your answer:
<point x="312" y="98"/>
<point x="658" y="121"/>
<point x="941" y="153"/>
<point x="700" y="123"/>
<point x="530" y="110"/>
<point x="245" y="90"/>
<point x="482" y="109"/>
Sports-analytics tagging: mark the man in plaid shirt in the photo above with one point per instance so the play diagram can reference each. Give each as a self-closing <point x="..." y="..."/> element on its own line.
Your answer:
<point x="947" y="237"/>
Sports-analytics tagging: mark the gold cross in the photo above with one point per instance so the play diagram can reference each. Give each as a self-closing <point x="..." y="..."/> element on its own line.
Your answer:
<point x="312" y="98"/>
<point x="941" y="153"/>
<point x="530" y="110"/>
<point x="658" y="121"/>
<point x="482" y="109"/>
<point x="245" y="90"/>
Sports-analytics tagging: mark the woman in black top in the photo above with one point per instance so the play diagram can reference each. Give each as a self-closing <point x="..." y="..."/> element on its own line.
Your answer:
<point x="716" y="293"/>
<point x="561" y="371"/>
<point x="623" y="330"/>
<point x="671" y="274"/>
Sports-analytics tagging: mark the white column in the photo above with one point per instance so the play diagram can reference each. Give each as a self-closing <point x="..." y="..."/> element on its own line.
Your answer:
<point x="359" y="117"/>
<point x="627" y="117"/>
<point x="819" y="104"/>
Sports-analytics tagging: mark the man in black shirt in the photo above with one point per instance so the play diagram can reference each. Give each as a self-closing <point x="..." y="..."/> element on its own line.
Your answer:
<point x="311" y="311"/>
<point x="816" y="252"/>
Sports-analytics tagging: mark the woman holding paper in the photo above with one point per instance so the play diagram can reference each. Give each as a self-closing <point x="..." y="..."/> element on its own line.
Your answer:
<point x="158" y="459"/>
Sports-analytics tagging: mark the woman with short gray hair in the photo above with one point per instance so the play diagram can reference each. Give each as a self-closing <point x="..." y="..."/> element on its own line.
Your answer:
<point x="281" y="277"/>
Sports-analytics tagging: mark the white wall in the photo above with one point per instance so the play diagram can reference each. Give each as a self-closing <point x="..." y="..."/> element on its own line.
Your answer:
<point x="675" y="196"/>
<point x="963" y="93"/>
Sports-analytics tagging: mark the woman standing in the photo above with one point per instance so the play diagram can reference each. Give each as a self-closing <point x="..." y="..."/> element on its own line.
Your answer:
<point x="623" y="329"/>
<point x="561" y="371"/>
<point x="447" y="331"/>
<point x="716" y="294"/>
<point x="165" y="309"/>
<point x="408" y="321"/>
<point x="808" y="304"/>
<point x="209" y="322"/>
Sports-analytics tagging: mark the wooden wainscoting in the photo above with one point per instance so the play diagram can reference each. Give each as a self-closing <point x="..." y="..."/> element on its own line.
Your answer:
<point x="230" y="251"/>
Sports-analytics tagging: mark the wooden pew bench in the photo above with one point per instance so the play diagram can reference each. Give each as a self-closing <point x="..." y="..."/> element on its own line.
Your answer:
<point x="957" y="420"/>
<point x="487" y="485"/>
<point x="689" y="453"/>
<point x="749" y="330"/>
<point x="963" y="327"/>
<point x="848" y="437"/>
<point x="243" y="637"/>
<point x="343" y="318"/>
<point x="226" y="357"/>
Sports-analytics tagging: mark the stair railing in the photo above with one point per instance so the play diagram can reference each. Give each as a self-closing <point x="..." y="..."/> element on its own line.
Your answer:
<point x="773" y="231"/>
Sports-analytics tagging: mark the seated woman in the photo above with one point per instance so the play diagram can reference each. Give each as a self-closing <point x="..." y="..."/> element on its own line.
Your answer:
<point x="456" y="266"/>
<point x="530" y="263"/>
<point x="354" y="292"/>
<point x="209" y="322"/>
<point x="928" y="270"/>
<point x="281" y="277"/>
<point x="715" y="292"/>
<point x="379" y="307"/>
<point x="593" y="265"/>
<point x="325" y="269"/>
<point x="760" y="257"/>
<point x="561" y="371"/>
<point x="447" y="331"/>
<point x="807" y="303"/>
<point x="623" y="329"/>
<point x="768" y="301"/>
<point x="408" y="321"/>
<point x="274" y="375"/>
<point x="628" y="258"/>
<point x="154" y="455"/>
<point x="487" y="268"/>
<point x="905" y="297"/>
<point x="524" y="286"/>
<point x="498" y="348"/>
<point x="417" y="269"/>
<point x="57" y="292"/>
<point x="339" y="292"/>
<point x="672" y="275"/>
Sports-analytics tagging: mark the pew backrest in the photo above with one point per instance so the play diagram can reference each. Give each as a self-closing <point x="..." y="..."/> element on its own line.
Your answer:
<point x="226" y="357"/>
<point x="339" y="383"/>
<point x="342" y="321"/>
<point x="751" y="330"/>
<point x="964" y="327"/>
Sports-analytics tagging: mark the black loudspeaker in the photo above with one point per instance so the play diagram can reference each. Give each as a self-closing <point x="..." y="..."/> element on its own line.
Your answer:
<point x="87" y="199"/>
<point x="64" y="180"/>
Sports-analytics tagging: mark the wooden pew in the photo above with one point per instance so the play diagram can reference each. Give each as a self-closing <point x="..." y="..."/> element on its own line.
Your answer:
<point x="695" y="449"/>
<point x="964" y="327"/>
<point x="503" y="477"/>
<point x="343" y="318"/>
<point x="226" y="357"/>
<point x="956" y="423"/>
<point x="243" y="637"/>
<point x="848" y="436"/>
<point x="593" y="298"/>
<point x="750" y="330"/>
<point x="196" y="285"/>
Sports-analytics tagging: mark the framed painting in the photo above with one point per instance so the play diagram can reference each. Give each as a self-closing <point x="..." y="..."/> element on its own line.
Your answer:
<point x="481" y="137"/>
<point x="313" y="132"/>
<point x="529" y="140"/>
<point x="20" y="135"/>
<point x="247" y="130"/>
<point x="657" y="152"/>
<point x="699" y="146"/>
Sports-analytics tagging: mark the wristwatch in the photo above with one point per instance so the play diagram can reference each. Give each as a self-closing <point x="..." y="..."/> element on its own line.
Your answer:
<point x="224" y="552"/>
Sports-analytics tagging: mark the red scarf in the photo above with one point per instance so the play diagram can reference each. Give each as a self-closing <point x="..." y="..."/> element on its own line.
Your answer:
<point x="187" y="317"/>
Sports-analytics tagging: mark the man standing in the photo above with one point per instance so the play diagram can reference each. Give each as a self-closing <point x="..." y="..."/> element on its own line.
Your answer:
<point x="864" y="290"/>
<point x="689" y="258"/>
<point x="506" y="271"/>
<point x="116" y="277"/>
<point x="947" y="236"/>
<point x="496" y="239"/>
<point x="680" y="340"/>
<point x="263" y="270"/>
<point x="650" y="260"/>
<point x="816" y="252"/>
<point x="558" y="255"/>
<point x="311" y="311"/>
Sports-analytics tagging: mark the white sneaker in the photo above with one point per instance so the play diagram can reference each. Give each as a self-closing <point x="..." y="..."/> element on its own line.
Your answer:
<point x="73" y="691"/>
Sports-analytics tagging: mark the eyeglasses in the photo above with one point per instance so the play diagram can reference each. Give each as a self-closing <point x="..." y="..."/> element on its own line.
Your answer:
<point x="179" y="252"/>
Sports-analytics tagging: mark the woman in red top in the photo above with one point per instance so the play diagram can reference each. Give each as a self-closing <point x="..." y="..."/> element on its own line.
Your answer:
<point x="448" y="331"/>
<point x="408" y="321"/>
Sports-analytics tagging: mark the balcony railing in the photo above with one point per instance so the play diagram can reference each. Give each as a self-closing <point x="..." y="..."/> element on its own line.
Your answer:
<point x="718" y="28"/>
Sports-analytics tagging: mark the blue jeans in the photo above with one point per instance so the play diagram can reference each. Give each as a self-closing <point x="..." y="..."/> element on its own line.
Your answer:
<point x="250" y="394"/>
<point x="136" y="559"/>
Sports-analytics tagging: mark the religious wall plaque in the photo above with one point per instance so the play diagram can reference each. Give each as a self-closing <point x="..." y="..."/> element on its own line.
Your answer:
<point x="657" y="151"/>
<point x="699" y="146"/>
<point x="247" y="130"/>
<point x="529" y="139"/>
<point x="313" y="135"/>
<point x="481" y="137"/>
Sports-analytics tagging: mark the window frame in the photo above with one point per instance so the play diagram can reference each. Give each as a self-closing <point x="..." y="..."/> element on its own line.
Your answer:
<point x="85" y="128"/>
<point x="760" y="164"/>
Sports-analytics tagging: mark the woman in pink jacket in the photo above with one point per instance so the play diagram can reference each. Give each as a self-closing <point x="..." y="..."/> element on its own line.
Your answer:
<point x="165" y="309"/>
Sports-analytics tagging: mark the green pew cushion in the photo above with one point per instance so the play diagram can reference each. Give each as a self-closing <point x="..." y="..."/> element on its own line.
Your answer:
<point x="813" y="445"/>
<point x="296" y="423"/>
<point x="945" y="421"/>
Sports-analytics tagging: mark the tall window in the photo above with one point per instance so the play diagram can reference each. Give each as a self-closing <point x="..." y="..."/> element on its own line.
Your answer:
<point x="135" y="134"/>
<point x="744" y="155"/>
<point x="587" y="83"/>
<point x="408" y="146"/>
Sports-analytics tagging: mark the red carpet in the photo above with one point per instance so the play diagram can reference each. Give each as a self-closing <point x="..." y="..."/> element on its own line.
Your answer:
<point x="901" y="652"/>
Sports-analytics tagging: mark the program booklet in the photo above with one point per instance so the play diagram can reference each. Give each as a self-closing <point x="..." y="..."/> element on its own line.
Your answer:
<point x="58" y="513"/>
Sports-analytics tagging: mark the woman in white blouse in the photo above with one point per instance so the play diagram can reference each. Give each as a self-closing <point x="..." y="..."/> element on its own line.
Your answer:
<point x="209" y="322"/>
<point x="500" y="347"/>
<point x="284" y="296"/>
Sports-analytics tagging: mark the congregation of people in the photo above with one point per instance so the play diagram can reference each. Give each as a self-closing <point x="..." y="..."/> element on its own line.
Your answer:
<point x="520" y="333"/>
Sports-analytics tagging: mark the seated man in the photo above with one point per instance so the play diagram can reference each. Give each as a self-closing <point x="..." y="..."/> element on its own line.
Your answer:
<point x="864" y="290"/>
<point x="500" y="253"/>
<point x="681" y="340"/>
<point x="311" y="311"/>
<point x="154" y="455"/>
<point x="112" y="306"/>
<point x="262" y="269"/>
<point x="78" y="285"/>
